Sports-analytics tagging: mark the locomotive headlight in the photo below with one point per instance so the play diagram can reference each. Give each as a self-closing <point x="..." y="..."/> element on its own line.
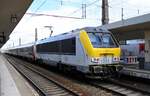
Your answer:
<point x="116" y="59"/>
<point x="95" y="60"/>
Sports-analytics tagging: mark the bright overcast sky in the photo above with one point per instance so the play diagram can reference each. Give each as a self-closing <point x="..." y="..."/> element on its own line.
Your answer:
<point x="72" y="8"/>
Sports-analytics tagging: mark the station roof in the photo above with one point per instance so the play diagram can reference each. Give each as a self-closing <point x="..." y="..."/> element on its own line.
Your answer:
<point x="132" y="28"/>
<point x="11" y="12"/>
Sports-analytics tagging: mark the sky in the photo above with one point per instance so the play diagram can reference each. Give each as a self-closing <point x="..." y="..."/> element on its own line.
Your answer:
<point x="70" y="8"/>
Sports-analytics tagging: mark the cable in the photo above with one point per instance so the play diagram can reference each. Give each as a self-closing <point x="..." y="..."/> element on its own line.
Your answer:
<point x="41" y="5"/>
<point x="88" y="5"/>
<point x="35" y="14"/>
<point x="74" y="12"/>
<point x="37" y="7"/>
<point x="64" y="2"/>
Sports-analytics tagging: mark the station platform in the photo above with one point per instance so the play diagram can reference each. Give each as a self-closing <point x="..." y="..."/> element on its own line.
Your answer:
<point x="134" y="70"/>
<point x="11" y="82"/>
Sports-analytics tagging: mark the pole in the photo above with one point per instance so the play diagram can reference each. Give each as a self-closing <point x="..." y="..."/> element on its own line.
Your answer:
<point x="138" y="11"/>
<point x="36" y="38"/>
<point x="61" y="2"/>
<point x="13" y="43"/>
<point x="84" y="11"/>
<point x="105" y="12"/>
<point x="122" y="18"/>
<point x="50" y="28"/>
<point x="19" y="41"/>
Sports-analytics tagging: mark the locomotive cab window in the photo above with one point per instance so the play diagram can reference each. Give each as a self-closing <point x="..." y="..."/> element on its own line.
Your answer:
<point x="102" y="40"/>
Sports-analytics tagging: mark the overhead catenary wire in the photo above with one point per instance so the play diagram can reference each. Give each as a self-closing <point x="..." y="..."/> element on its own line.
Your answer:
<point x="125" y="5"/>
<point x="87" y="5"/>
<point x="37" y="14"/>
<point x="40" y="5"/>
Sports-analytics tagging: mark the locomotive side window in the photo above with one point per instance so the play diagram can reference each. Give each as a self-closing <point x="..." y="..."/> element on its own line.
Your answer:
<point x="66" y="47"/>
<point x="52" y="47"/>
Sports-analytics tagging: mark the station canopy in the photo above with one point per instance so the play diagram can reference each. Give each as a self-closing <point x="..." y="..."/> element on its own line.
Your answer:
<point x="129" y="29"/>
<point x="11" y="12"/>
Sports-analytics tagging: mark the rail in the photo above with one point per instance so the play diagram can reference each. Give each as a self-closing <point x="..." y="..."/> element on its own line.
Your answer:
<point x="120" y="88"/>
<point x="46" y="85"/>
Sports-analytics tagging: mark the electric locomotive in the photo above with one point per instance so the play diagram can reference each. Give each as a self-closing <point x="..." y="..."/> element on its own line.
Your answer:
<point x="90" y="50"/>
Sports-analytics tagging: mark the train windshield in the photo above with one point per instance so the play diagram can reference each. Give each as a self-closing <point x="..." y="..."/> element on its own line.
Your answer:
<point x="102" y="40"/>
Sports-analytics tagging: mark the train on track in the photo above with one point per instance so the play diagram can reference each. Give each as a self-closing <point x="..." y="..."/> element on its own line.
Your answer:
<point x="90" y="50"/>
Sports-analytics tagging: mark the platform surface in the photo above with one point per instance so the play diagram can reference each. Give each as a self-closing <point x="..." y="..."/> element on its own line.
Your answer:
<point x="11" y="82"/>
<point x="133" y="70"/>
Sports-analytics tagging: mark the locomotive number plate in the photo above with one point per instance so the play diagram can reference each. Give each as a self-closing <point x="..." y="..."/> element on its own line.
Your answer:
<point x="106" y="60"/>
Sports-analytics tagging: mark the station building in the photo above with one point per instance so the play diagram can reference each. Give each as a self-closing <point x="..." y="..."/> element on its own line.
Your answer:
<point x="133" y="28"/>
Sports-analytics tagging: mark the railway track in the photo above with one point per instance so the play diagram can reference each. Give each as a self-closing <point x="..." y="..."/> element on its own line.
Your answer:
<point x="45" y="85"/>
<point x="111" y="85"/>
<point x="120" y="88"/>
